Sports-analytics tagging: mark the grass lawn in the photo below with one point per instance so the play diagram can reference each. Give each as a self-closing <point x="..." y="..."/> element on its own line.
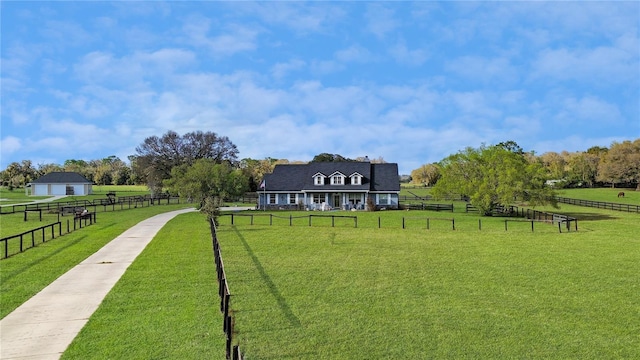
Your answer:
<point x="18" y="196"/>
<point x="25" y="274"/>
<point x="166" y="305"/>
<point x="603" y="194"/>
<point x="325" y="292"/>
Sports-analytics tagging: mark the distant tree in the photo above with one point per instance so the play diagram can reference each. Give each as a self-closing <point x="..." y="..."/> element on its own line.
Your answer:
<point x="326" y="157"/>
<point x="582" y="168"/>
<point x="19" y="174"/>
<point x="493" y="175"/>
<point x="79" y="166"/>
<point x="157" y="156"/>
<point x="44" y="169"/>
<point x="621" y="164"/>
<point x="427" y="174"/>
<point x="554" y="164"/>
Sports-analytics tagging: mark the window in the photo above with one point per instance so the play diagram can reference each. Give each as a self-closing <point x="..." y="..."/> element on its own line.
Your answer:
<point x="383" y="199"/>
<point x="356" y="179"/>
<point x="292" y="198"/>
<point x="319" y="180"/>
<point x="336" y="180"/>
<point x="272" y="198"/>
<point x="355" y="198"/>
<point x="318" y="198"/>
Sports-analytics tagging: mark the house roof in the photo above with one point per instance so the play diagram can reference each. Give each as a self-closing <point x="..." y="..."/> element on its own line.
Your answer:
<point x="299" y="177"/>
<point x="61" y="178"/>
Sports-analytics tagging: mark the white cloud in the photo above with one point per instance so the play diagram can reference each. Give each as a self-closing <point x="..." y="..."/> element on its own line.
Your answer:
<point x="601" y="65"/>
<point x="233" y="38"/>
<point x="10" y="145"/>
<point x="354" y="53"/>
<point x="497" y="71"/>
<point x="404" y="55"/>
<point x="280" y="70"/>
<point x="380" y="20"/>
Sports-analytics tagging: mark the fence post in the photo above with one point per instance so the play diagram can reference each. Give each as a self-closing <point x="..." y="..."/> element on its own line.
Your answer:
<point x="290" y="220"/>
<point x="505" y="225"/>
<point x="270" y="219"/>
<point x="403" y="222"/>
<point x="531" y="225"/>
<point x="251" y="219"/>
<point x="559" y="227"/>
<point x="453" y="224"/>
<point x="332" y="220"/>
<point x="310" y="219"/>
<point x="379" y="224"/>
<point x="480" y="224"/>
<point x="21" y="240"/>
<point x="427" y="223"/>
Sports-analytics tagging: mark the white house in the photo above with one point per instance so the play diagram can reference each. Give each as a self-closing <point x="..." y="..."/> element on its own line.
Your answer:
<point x="61" y="183"/>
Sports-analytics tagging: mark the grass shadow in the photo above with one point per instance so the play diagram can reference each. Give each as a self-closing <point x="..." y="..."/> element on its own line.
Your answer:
<point x="293" y="319"/>
<point x="28" y="265"/>
<point x="585" y="216"/>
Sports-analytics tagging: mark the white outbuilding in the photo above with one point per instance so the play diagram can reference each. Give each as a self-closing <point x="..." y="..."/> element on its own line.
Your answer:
<point x="61" y="183"/>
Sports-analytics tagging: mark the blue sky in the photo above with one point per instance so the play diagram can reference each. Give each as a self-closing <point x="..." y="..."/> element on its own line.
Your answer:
<point x="409" y="82"/>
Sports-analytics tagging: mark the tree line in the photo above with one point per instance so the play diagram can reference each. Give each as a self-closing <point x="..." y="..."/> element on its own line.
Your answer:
<point x="616" y="166"/>
<point x="204" y="167"/>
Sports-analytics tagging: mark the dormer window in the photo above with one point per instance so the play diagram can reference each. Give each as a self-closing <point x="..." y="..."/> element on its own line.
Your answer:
<point x="318" y="179"/>
<point x="356" y="179"/>
<point x="337" y="178"/>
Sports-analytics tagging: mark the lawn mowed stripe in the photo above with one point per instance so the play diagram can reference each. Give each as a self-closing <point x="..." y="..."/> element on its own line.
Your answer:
<point x="331" y="293"/>
<point x="165" y="306"/>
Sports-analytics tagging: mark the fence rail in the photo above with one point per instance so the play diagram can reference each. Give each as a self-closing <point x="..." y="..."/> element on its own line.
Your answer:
<point x="600" y="204"/>
<point x="104" y="204"/>
<point x="15" y="244"/>
<point x="231" y="351"/>
<point x="429" y="206"/>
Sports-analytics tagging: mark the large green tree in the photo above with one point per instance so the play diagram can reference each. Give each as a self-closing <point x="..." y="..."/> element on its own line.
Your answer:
<point x="157" y="156"/>
<point x="207" y="182"/>
<point x="491" y="176"/>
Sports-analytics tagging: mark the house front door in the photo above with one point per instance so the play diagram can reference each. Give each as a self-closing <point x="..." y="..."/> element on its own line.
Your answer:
<point x="336" y="200"/>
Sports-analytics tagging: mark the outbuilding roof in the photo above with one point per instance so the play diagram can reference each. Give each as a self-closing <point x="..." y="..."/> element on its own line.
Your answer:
<point x="62" y="178"/>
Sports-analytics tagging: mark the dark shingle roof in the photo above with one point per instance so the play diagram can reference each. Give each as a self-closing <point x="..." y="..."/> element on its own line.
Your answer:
<point x="298" y="177"/>
<point x="61" y="178"/>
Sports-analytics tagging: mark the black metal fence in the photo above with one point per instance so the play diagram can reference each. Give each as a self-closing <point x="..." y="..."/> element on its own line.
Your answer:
<point x="231" y="351"/>
<point x="16" y="244"/>
<point x="291" y="218"/>
<point x="600" y="204"/>
<point x="428" y="206"/>
<point x="553" y="218"/>
<point x="107" y="204"/>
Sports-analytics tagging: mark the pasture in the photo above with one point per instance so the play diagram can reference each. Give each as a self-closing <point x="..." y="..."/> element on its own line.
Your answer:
<point x="340" y="292"/>
<point x="336" y="291"/>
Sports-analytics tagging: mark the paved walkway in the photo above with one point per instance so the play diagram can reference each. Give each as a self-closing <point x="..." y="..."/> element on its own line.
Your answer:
<point x="44" y="326"/>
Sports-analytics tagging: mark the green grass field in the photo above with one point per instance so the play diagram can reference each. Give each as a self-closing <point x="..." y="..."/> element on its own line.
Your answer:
<point x="343" y="293"/>
<point x="165" y="306"/>
<point x="323" y="292"/>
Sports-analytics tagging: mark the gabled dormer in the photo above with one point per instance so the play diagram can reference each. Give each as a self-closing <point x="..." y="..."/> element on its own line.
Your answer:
<point x="356" y="178"/>
<point x="337" y="178"/>
<point x="318" y="178"/>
